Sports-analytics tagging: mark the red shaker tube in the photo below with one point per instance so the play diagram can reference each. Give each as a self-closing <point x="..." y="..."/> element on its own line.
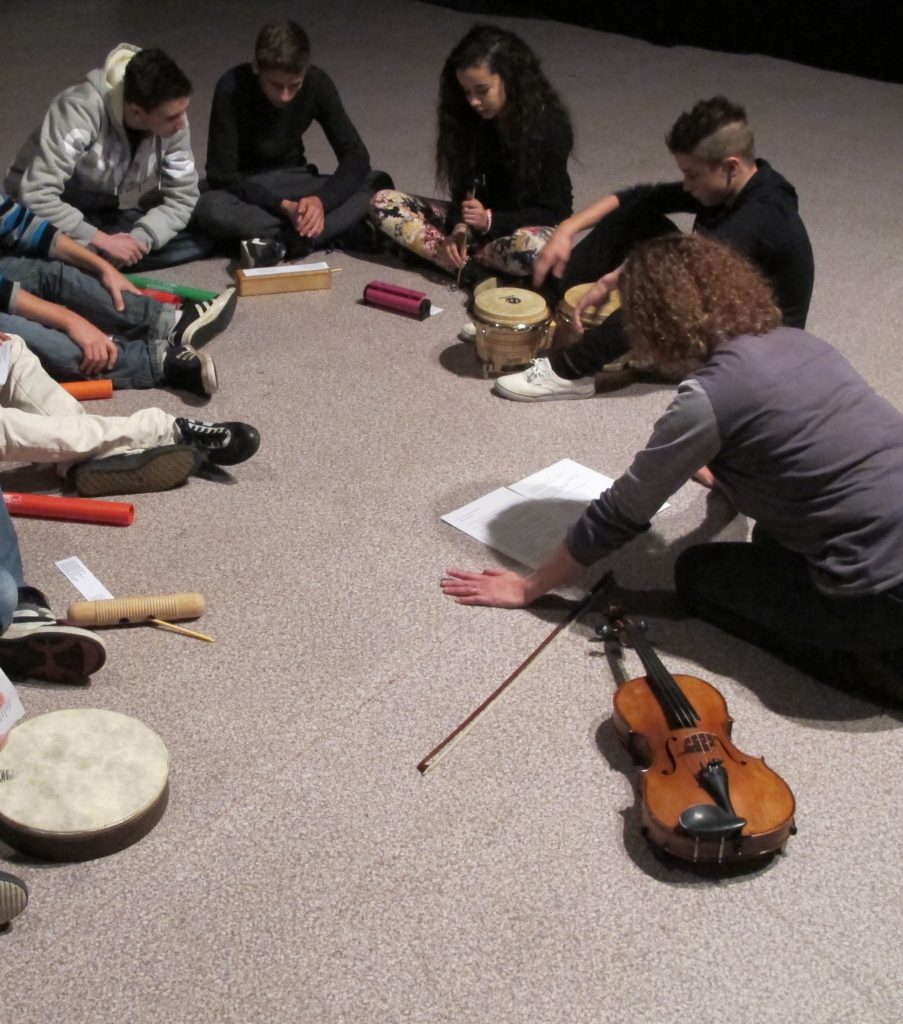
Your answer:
<point x="83" y="510"/>
<point x="397" y="299"/>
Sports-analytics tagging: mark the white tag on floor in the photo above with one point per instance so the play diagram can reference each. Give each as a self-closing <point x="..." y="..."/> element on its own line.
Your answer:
<point x="11" y="709"/>
<point x="84" y="581"/>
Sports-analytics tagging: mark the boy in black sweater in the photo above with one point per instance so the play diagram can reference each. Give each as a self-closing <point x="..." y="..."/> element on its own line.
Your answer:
<point x="263" y="193"/>
<point x="736" y="199"/>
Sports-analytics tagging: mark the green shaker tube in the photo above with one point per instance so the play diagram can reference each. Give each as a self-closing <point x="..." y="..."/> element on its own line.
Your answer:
<point x="183" y="290"/>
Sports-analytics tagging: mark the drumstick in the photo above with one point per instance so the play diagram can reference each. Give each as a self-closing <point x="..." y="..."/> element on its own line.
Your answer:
<point x="433" y="756"/>
<point x="469" y="194"/>
<point x="160" y="624"/>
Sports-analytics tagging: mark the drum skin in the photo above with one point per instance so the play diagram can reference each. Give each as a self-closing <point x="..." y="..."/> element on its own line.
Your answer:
<point x="80" y="784"/>
<point x="564" y="330"/>
<point x="512" y="325"/>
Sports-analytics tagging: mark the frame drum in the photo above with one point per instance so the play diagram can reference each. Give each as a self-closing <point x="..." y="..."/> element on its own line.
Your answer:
<point x="565" y="332"/>
<point x="512" y="325"/>
<point x="80" y="784"/>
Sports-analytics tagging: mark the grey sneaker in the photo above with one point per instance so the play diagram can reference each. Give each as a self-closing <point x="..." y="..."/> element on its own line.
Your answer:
<point x="37" y="646"/>
<point x="13" y="898"/>
<point x="201" y="321"/>
<point x="540" y="383"/>
<point x="154" y="469"/>
<point x="261" y="252"/>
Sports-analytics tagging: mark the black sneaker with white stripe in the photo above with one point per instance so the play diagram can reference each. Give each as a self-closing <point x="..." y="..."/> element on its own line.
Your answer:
<point x="37" y="646"/>
<point x="224" y="444"/>
<point x="187" y="370"/>
<point x="201" y="321"/>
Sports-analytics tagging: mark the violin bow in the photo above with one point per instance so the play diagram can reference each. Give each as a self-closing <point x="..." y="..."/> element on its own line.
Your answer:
<point x="459" y="731"/>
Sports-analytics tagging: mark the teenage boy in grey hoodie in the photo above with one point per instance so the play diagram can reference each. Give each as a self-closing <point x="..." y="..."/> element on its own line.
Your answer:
<point x="111" y="164"/>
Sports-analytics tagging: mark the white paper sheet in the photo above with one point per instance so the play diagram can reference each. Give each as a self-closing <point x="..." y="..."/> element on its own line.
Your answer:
<point x="527" y="520"/>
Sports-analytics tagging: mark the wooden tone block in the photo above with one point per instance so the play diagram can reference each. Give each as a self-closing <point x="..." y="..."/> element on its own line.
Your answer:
<point x="283" y="279"/>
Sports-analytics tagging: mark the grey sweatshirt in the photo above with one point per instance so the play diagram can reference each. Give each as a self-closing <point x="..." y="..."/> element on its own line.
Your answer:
<point x="80" y="160"/>
<point x="797" y="440"/>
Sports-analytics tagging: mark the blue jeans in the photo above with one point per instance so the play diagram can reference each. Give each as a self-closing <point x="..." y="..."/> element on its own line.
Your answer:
<point x="10" y="568"/>
<point x="139" y="331"/>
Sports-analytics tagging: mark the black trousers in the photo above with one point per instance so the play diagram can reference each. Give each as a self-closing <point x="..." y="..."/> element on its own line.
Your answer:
<point x="763" y="593"/>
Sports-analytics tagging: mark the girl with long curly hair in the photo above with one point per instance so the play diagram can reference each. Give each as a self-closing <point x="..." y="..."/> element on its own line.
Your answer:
<point x="502" y="150"/>
<point x="795" y="439"/>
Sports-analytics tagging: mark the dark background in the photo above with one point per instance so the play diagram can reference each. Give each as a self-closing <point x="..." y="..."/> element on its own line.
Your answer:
<point x="861" y="37"/>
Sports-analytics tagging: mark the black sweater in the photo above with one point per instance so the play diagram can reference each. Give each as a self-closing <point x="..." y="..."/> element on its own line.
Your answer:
<point x="547" y="204"/>
<point x="248" y="136"/>
<point x="763" y="223"/>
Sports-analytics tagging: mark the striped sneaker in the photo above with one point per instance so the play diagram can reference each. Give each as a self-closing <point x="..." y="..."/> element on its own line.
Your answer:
<point x="201" y="321"/>
<point x="37" y="646"/>
<point x="187" y="370"/>
<point x="154" y="469"/>
<point x="13" y="898"/>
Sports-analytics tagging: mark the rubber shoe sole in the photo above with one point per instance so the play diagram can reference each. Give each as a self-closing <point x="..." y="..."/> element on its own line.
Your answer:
<point x="13" y="898"/>
<point x="209" y="380"/>
<point x="155" y="469"/>
<point x="214" y="320"/>
<point x="52" y="653"/>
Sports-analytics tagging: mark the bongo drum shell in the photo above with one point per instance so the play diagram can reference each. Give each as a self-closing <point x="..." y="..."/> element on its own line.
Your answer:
<point x="512" y="325"/>
<point x="80" y="784"/>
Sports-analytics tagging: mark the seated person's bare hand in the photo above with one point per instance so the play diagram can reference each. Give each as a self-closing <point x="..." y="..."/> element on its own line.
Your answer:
<point x="596" y="296"/>
<point x="100" y="354"/>
<point x="310" y="217"/>
<point x="554" y="256"/>
<point x="120" y="249"/>
<point x="455" y="246"/>
<point x="496" y="588"/>
<point x="116" y="283"/>
<point x="475" y="215"/>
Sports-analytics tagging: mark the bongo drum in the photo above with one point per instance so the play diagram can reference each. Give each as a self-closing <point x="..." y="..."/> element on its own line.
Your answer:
<point x="512" y="325"/>
<point x="564" y="331"/>
<point x="80" y="784"/>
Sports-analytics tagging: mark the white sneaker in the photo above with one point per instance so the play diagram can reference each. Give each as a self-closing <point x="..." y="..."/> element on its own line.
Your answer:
<point x="468" y="332"/>
<point x="540" y="383"/>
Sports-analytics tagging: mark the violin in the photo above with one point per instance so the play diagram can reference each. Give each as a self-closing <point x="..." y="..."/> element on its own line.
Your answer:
<point x="702" y="798"/>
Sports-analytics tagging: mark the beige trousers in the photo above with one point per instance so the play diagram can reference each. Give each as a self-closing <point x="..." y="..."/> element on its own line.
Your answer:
<point x="41" y="422"/>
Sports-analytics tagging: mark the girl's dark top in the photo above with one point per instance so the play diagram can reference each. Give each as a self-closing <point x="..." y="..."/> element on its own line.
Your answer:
<point x="546" y="204"/>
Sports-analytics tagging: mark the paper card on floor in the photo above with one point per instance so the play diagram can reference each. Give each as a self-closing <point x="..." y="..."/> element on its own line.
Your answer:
<point x="527" y="520"/>
<point x="563" y="479"/>
<point x="11" y="709"/>
<point x="84" y="581"/>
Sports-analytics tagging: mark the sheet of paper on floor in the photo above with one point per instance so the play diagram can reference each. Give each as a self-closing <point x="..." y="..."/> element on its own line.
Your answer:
<point x="528" y="519"/>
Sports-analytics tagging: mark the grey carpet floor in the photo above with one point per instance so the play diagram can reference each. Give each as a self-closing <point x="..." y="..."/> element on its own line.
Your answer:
<point x="304" y="870"/>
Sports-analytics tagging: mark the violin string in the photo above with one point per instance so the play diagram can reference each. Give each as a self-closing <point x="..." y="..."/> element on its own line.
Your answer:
<point x="680" y="712"/>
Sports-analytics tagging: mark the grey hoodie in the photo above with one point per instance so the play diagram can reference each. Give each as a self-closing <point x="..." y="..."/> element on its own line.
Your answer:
<point x="80" y="161"/>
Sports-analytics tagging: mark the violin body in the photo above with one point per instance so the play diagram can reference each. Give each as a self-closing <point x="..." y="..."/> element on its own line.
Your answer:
<point x="738" y="810"/>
